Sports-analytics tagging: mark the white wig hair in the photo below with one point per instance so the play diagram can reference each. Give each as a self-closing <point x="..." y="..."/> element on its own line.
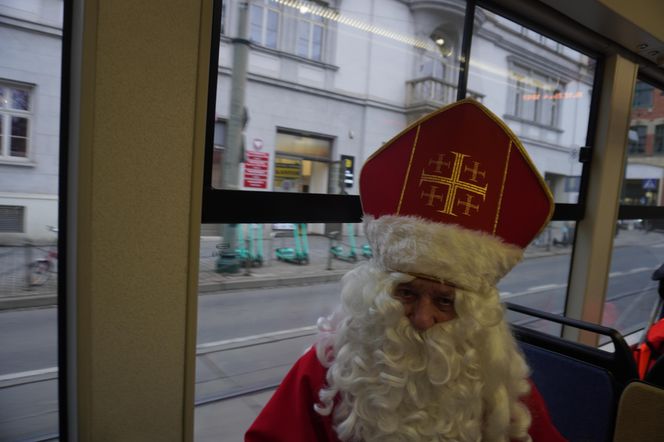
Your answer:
<point x="460" y="380"/>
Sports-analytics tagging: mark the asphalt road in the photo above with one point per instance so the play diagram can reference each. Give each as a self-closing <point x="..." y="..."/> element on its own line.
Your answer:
<point x="28" y="337"/>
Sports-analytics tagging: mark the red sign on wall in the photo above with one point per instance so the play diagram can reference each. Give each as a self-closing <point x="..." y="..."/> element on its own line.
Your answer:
<point x="256" y="170"/>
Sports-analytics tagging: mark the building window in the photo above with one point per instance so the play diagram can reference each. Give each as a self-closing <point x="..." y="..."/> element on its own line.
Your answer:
<point x="643" y="93"/>
<point x="309" y="35"/>
<point x="264" y="23"/>
<point x="536" y="96"/>
<point x="659" y="138"/>
<point x="11" y="219"/>
<point x="15" y="116"/>
<point x="637" y="142"/>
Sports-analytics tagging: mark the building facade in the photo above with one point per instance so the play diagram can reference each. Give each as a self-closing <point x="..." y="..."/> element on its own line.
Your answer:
<point x="327" y="84"/>
<point x="30" y="60"/>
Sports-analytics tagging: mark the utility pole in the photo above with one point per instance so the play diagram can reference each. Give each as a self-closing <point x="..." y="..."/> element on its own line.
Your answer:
<point x="227" y="262"/>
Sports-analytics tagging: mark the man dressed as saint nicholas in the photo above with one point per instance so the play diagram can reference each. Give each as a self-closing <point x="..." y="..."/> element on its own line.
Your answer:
<point x="419" y="349"/>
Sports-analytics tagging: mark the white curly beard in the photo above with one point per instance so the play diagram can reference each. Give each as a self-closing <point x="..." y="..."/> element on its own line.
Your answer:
<point x="388" y="382"/>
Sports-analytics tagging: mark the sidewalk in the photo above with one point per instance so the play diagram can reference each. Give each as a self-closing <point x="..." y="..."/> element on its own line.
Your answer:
<point x="15" y="293"/>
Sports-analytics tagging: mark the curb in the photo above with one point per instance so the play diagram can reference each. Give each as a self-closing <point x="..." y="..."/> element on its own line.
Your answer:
<point x="261" y="282"/>
<point x="236" y="283"/>
<point x="27" y="301"/>
<point x="208" y="288"/>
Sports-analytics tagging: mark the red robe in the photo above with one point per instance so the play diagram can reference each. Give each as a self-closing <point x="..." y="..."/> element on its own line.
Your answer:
<point x="289" y="416"/>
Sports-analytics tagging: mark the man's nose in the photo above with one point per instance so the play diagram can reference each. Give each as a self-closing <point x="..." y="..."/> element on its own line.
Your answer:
<point x="424" y="314"/>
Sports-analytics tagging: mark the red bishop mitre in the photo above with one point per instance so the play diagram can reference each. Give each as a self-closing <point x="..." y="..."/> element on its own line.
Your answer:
<point x="453" y="197"/>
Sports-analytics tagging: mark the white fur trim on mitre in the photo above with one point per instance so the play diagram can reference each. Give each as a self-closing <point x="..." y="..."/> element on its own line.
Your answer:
<point x="446" y="252"/>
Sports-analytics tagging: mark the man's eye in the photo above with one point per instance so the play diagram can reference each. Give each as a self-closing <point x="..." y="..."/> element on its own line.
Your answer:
<point x="406" y="294"/>
<point x="444" y="303"/>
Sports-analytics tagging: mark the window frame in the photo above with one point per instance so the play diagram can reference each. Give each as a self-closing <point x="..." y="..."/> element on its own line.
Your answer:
<point x="639" y="93"/>
<point x="7" y="113"/>
<point x="658" y="142"/>
<point x="306" y="20"/>
<point x="266" y="8"/>
<point x="540" y="105"/>
<point x="640" y="147"/>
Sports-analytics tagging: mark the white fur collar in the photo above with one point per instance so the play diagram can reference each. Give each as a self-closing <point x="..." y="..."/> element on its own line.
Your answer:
<point x="447" y="252"/>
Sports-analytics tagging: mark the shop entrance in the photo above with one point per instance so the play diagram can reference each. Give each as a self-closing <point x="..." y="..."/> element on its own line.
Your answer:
<point x="292" y="174"/>
<point x="301" y="163"/>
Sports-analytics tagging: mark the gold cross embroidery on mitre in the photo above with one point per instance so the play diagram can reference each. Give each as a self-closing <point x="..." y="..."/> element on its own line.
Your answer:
<point x="453" y="182"/>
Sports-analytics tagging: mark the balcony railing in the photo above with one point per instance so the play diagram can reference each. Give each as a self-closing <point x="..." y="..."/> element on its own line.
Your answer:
<point x="429" y="91"/>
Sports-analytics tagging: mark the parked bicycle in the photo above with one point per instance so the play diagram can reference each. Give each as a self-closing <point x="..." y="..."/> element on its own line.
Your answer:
<point x="41" y="269"/>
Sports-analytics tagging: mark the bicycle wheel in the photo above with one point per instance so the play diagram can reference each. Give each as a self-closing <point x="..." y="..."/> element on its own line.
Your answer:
<point x="39" y="273"/>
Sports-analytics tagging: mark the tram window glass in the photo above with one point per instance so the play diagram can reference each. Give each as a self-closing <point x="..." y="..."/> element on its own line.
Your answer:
<point x="253" y="324"/>
<point x="326" y="84"/>
<point x="542" y="90"/>
<point x="642" y="183"/>
<point x="306" y="125"/>
<point x="638" y="247"/>
<point x="540" y="280"/>
<point x="31" y="36"/>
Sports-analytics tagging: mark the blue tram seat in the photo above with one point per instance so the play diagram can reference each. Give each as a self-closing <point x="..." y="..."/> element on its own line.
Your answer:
<point x="580" y="384"/>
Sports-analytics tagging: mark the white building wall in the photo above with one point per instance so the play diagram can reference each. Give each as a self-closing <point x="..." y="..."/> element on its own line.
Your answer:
<point x="30" y="54"/>
<point x="353" y="50"/>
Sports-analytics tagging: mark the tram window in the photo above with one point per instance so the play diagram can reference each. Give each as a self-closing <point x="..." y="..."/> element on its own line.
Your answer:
<point x="308" y="125"/>
<point x="328" y="89"/>
<point x="540" y="280"/>
<point x="543" y="90"/>
<point x="642" y="184"/>
<point x="254" y="323"/>
<point x="639" y="242"/>
<point x="29" y="151"/>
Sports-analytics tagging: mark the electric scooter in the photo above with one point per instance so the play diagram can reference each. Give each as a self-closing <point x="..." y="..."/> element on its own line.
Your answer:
<point x="337" y="250"/>
<point x="298" y="254"/>
<point x="254" y="252"/>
